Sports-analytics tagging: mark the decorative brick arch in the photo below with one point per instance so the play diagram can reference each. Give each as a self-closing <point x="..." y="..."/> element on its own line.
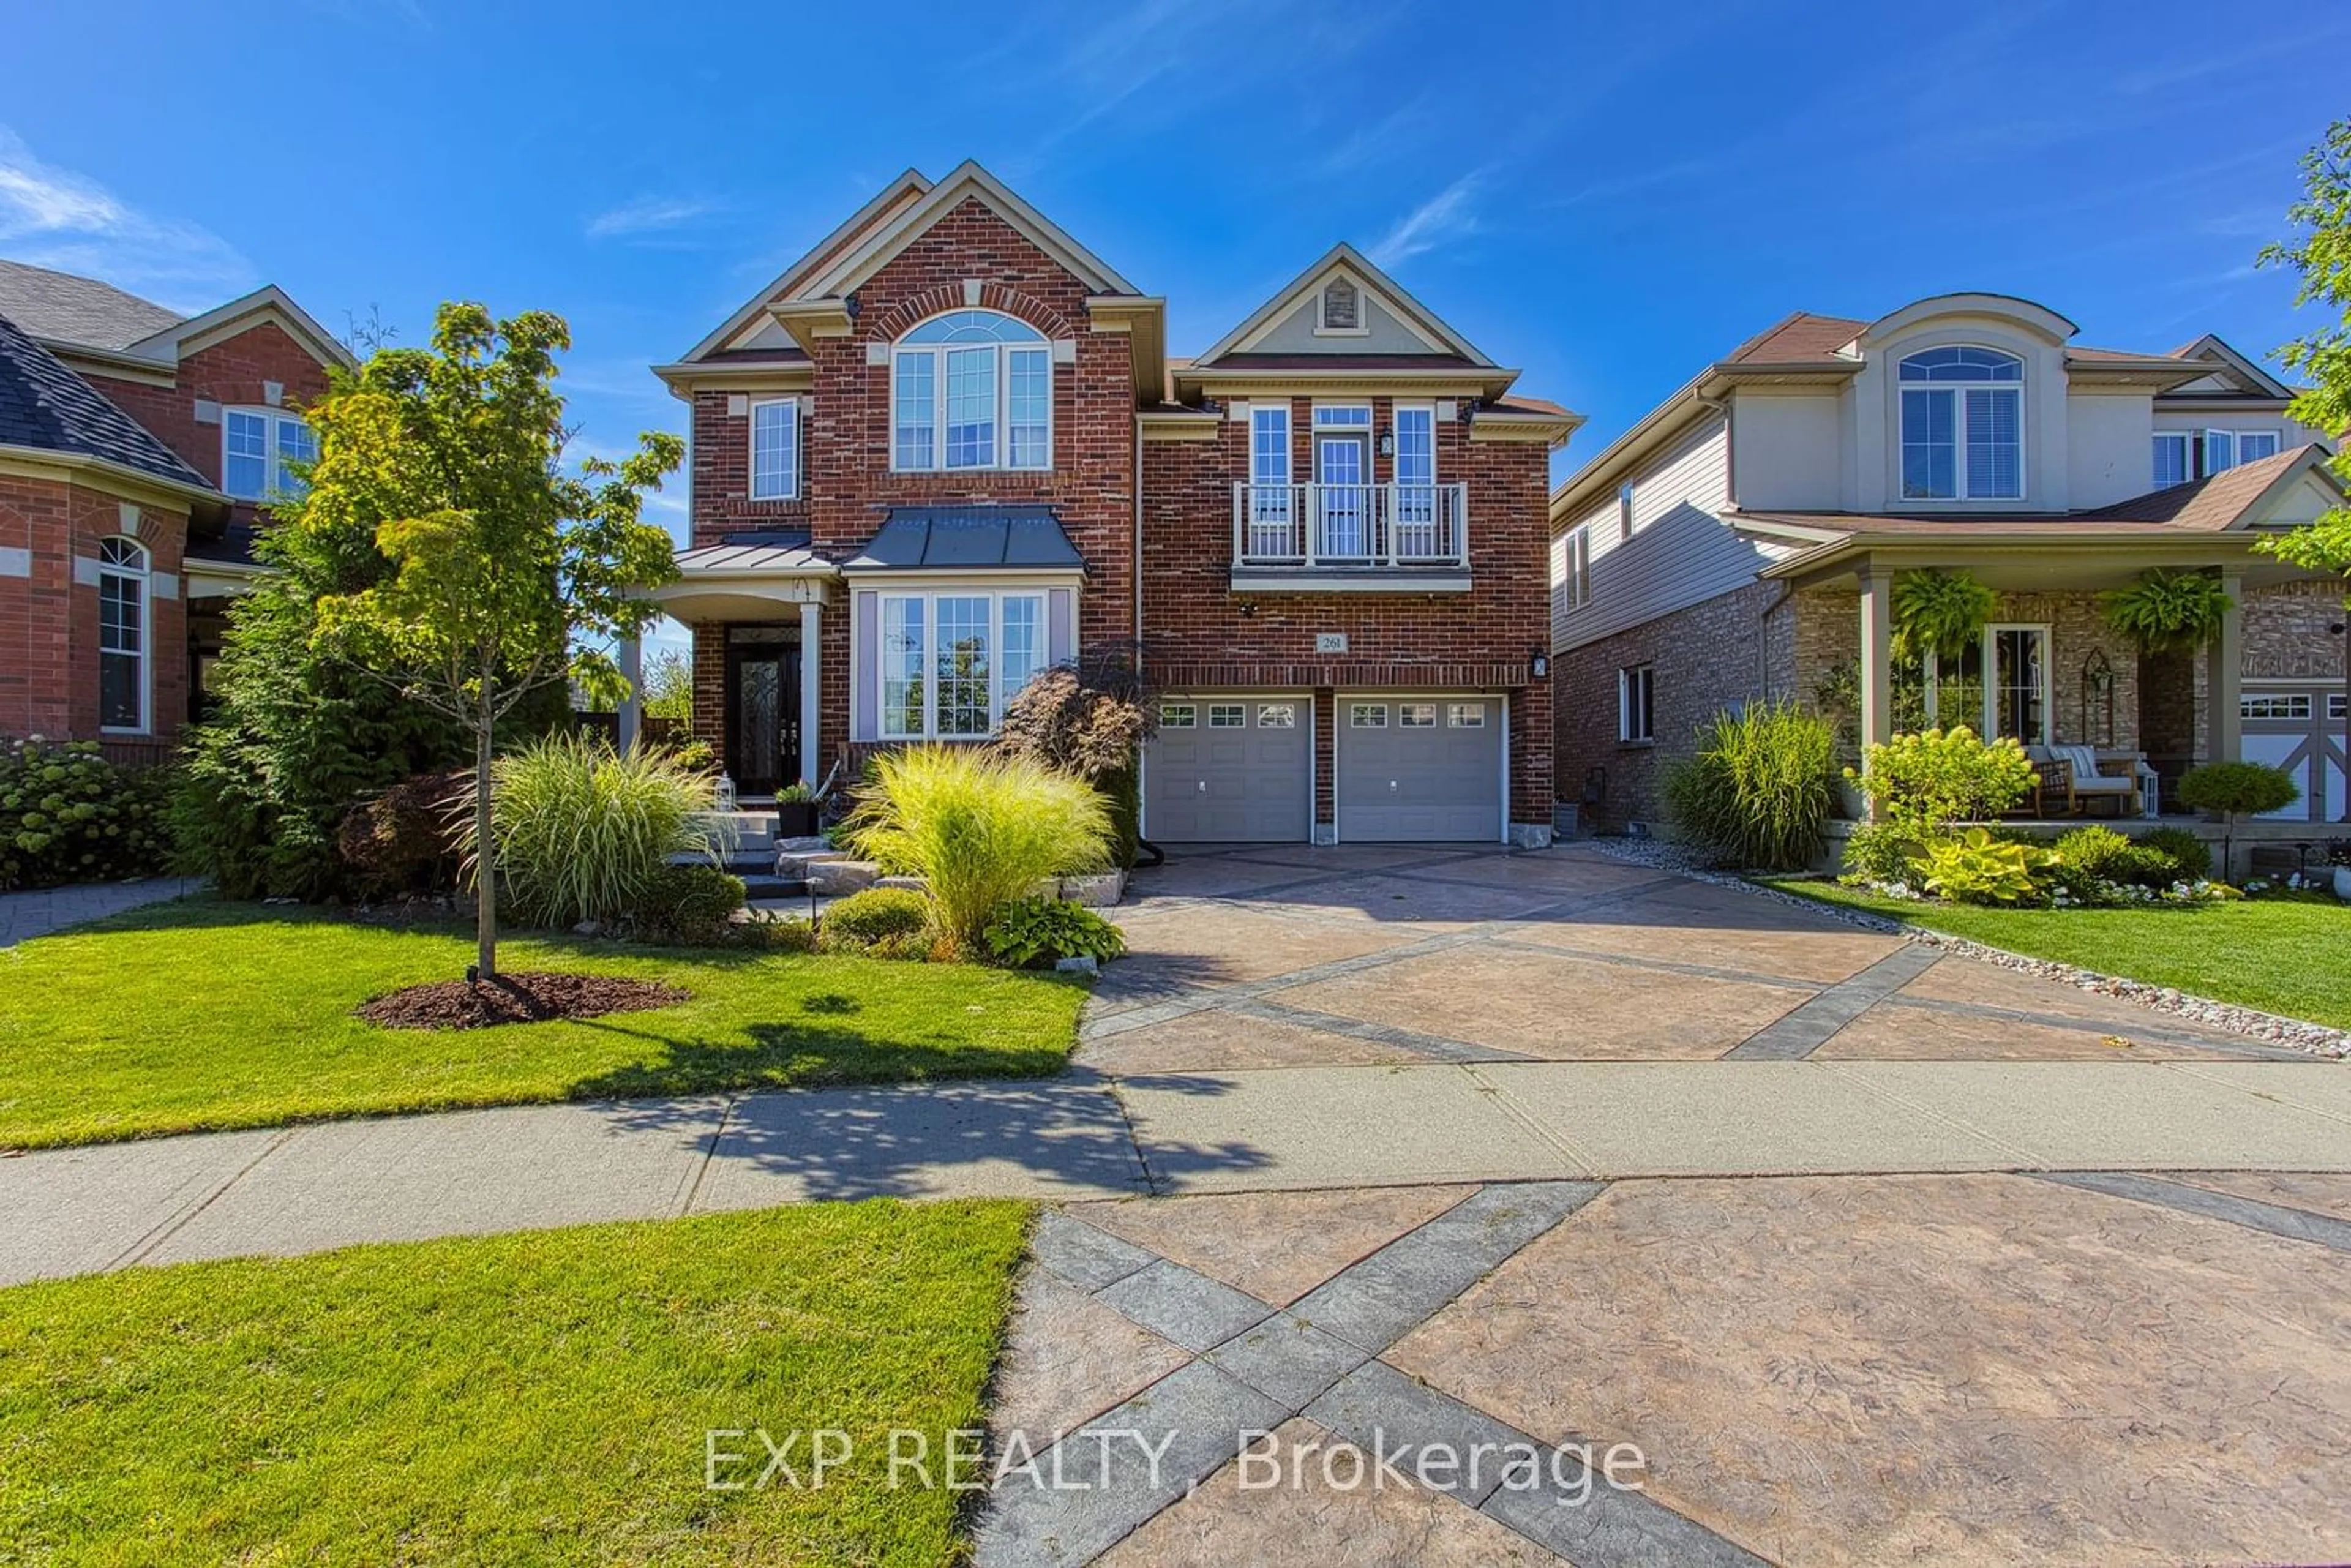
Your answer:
<point x="1005" y="300"/>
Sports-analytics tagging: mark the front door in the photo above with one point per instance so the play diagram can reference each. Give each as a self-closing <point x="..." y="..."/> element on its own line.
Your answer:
<point x="762" y="712"/>
<point x="1343" y="468"/>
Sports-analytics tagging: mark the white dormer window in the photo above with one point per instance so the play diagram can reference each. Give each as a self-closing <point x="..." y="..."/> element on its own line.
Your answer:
<point x="258" y="448"/>
<point x="776" y="449"/>
<point x="1962" y="425"/>
<point x="1342" y="308"/>
<point x="972" y="389"/>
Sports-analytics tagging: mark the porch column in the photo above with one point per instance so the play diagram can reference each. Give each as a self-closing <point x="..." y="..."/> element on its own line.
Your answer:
<point x="811" y="686"/>
<point x="1877" y="655"/>
<point x="2224" y="668"/>
<point x="633" y="706"/>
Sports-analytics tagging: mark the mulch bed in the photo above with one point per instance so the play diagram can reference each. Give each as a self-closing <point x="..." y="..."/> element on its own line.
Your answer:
<point x="531" y="996"/>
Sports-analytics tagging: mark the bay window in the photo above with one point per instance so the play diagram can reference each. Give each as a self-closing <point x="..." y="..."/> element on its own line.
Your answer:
<point x="259" y="449"/>
<point x="951" y="661"/>
<point x="1962" y="425"/>
<point x="972" y="389"/>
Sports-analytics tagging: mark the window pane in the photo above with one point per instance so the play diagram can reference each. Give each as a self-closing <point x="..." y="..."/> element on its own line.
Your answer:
<point x="2252" y="446"/>
<point x="1269" y="496"/>
<point x="1467" y="715"/>
<point x="2171" y="460"/>
<point x="1032" y="412"/>
<point x="901" y="666"/>
<point x="774" y="450"/>
<point x="1228" y="716"/>
<point x="1277" y="715"/>
<point x="963" y="669"/>
<point x="2220" y="451"/>
<point x="1962" y="364"/>
<point x="1024" y="642"/>
<point x="1176" y="715"/>
<point x="122" y="644"/>
<point x="1415" y="716"/>
<point x="246" y="445"/>
<point x="971" y="408"/>
<point x="1349" y="418"/>
<point x="2016" y="691"/>
<point x="1929" y="450"/>
<point x="295" y="443"/>
<point x="118" y="691"/>
<point x="917" y="402"/>
<point x="974" y="327"/>
<point x="1368" y="716"/>
<point x="1995" y="446"/>
<point x="1416" y="477"/>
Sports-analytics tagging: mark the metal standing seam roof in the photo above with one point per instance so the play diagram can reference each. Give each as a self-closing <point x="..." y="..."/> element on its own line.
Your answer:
<point x="46" y="407"/>
<point x="951" y="539"/>
<point x="742" y="559"/>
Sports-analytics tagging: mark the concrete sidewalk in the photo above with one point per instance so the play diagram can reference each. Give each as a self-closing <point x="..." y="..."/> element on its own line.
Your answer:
<point x="328" y="1184"/>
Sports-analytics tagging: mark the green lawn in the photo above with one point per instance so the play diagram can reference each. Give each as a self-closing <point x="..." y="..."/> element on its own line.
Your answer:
<point x="2286" y="956"/>
<point x="201" y="1015"/>
<point x="539" y="1398"/>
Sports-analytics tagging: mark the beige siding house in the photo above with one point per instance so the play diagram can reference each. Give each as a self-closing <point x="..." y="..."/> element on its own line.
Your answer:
<point x="1743" y="538"/>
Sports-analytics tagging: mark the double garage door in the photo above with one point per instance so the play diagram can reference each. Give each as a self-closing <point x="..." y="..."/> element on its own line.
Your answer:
<point x="1236" y="769"/>
<point x="2300" y="729"/>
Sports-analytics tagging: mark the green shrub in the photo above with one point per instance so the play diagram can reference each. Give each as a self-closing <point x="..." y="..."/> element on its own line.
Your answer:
<point x="689" y="905"/>
<point x="2099" y="853"/>
<point x="1931" y="780"/>
<point x="2234" y="789"/>
<point x="1979" y="867"/>
<point x="1032" y="932"/>
<point x="881" y="922"/>
<point x="1880" y="851"/>
<point x="69" y="815"/>
<point x="979" y="829"/>
<point x="583" y="831"/>
<point x="774" y="934"/>
<point x="1760" y="787"/>
<point x="2188" y="857"/>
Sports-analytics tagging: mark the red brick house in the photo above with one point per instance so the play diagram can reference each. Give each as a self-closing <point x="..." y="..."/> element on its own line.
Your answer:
<point x="947" y="449"/>
<point x="138" y="450"/>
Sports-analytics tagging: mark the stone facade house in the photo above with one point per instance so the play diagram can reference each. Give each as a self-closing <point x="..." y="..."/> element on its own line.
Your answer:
<point x="947" y="448"/>
<point x="1743" y="538"/>
<point x="138" y="452"/>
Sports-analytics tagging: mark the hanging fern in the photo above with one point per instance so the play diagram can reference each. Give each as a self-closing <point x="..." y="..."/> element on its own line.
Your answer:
<point x="2167" y="611"/>
<point x="1938" y="610"/>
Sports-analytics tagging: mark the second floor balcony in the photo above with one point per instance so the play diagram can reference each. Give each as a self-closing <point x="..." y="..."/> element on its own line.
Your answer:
<point x="1377" y="537"/>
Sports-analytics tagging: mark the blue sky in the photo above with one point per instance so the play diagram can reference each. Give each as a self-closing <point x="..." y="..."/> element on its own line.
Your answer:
<point x="1605" y="194"/>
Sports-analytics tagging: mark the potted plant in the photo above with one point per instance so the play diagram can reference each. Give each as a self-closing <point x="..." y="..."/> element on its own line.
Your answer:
<point x="796" y="811"/>
<point x="2168" y="611"/>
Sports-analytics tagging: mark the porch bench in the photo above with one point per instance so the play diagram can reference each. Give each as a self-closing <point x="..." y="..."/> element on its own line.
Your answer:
<point x="2078" y="775"/>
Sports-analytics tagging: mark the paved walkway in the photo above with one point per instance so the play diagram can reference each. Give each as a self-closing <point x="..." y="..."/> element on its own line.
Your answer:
<point x="25" y="915"/>
<point x="1300" y="1020"/>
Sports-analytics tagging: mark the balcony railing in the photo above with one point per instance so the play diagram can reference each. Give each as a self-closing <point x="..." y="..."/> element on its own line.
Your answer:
<point x="1315" y="525"/>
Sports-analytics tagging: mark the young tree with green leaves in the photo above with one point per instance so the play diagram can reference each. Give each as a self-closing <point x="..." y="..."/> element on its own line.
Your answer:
<point x="2320" y="254"/>
<point x="505" y="574"/>
<point x="669" y="684"/>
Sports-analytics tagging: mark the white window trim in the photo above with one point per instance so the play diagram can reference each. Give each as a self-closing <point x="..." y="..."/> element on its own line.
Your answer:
<point x="1626" y="678"/>
<point x="1271" y="411"/>
<point x="144" y="577"/>
<point x="1624" y="502"/>
<point x="996" y="694"/>
<point x="1348" y="406"/>
<point x="1575" y="568"/>
<point x="791" y="491"/>
<point x="2201" y="445"/>
<point x="1395" y="424"/>
<point x="2188" y="441"/>
<point x="937" y="353"/>
<point x="274" y="479"/>
<point x="1960" y="427"/>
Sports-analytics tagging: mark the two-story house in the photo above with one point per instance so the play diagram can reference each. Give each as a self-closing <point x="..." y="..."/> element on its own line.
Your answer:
<point x="947" y="449"/>
<point x="1743" y="539"/>
<point x="138" y="452"/>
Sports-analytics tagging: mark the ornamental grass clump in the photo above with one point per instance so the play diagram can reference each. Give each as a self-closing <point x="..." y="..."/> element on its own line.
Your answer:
<point x="584" y="832"/>
<point x="980" y="829"/>
<point x="1762" y="783"/>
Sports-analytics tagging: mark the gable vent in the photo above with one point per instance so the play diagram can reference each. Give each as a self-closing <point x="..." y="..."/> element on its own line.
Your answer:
<point x="1342" y="306"/>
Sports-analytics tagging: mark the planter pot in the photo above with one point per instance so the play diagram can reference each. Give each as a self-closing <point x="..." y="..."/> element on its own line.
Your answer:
<point x="1850" y="801"/>
<point x="794" y="818"/>
<point x="2342" y="883"/>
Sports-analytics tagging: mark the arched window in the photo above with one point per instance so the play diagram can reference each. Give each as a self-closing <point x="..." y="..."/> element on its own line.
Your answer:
<point x="972" y="389"/>
<point x="122" y="635"/>
<point x="1962" y="425"/>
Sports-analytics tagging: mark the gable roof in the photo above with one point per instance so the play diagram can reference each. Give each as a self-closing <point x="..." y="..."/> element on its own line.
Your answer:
<point x="2236" y="367"/>
<point x="967" y="181"/>
<point x="1800" y="338"/>
<point x="46" y="408"/>
<point x="268" y="302"/>
<point x="2228" y="500"/>
<point x="66" y="308"/>
<point x="1342" y="258"/>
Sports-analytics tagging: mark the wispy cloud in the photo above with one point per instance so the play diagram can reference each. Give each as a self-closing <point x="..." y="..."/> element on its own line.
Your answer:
<point x="57" y="218"/>
<point x="649" y="215"/>
<point x="1447" y="216"/>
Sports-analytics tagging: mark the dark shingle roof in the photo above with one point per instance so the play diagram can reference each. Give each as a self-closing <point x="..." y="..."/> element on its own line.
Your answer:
<point x="46" y="407"/>
<point x="64" y="308"/>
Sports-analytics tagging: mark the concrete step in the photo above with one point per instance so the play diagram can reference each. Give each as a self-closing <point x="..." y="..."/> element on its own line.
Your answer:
<point x="755" y="888"/>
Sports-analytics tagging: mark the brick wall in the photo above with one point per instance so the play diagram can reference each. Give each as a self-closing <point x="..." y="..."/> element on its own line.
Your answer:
<point x="232" y="371"/>
<point x="49" y="622"/>
<point x="1199" y="634"/>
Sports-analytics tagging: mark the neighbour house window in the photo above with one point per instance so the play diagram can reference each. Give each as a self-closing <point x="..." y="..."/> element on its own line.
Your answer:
<point x="776" y="449"/>
<point x="972" y="389"/>
<point x="951" y="661"/>
<point x="1636" y="704"/>
<point x="258" y="448"/>
<point x="2172" y="464"/>
<point x="122" y="635"/>
<point x="1962" y="425"/>
<point x="1270" y="492"/>
<point x="1576" y="570"/>
<point x="1625" y="511"/>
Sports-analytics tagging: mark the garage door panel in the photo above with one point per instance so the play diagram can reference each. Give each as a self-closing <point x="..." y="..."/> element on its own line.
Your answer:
<point x="1241" y="781"/>
<point x="2301" y="731"/>
<point x="1420" y="782"/>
